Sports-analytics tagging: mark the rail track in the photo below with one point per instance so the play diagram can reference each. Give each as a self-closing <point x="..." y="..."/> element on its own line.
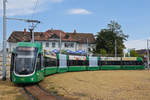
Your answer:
<point x="39" y="93"/>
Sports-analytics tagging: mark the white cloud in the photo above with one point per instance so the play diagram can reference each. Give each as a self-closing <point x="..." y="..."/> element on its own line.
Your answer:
<point x="23" y="7"/>
<point x="137" y="44"/>
<point x="79" y="11"/>
<point x="56" y="1"/>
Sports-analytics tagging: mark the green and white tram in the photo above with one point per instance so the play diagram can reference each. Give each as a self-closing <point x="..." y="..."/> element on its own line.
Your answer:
<point x="29" y="64"/>
<point x="26" y="63"/>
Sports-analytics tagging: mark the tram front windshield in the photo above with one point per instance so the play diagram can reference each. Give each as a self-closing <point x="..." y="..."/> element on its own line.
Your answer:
<point x="25" y="60"/>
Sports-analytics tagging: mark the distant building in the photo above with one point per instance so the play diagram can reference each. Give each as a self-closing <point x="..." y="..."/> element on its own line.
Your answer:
<point x="50" y="40"/>
<point x="142" y="51"/>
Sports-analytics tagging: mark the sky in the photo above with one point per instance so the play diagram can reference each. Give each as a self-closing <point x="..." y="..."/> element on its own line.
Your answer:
<point x="88" y="16"/>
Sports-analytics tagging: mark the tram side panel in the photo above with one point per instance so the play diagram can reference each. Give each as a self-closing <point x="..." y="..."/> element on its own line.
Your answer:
<point x="40" y="68"/>
<point x="110" y="63"/>
<point x="77" y="63"/>
<point x="50" y="64"/>
<point x="140" y="64"/>
<point x="132" y="63"/>
<point x="62" y="63"/>
<point x="12" y="66"/>
<point x="93" y="63"/>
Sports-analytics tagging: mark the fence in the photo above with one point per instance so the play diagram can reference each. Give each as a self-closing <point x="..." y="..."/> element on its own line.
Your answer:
<point x="7" y="65"/>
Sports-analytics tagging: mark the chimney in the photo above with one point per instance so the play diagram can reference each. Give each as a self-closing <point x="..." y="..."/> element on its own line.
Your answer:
<point x="75" y="31"/>
<point x="25" y="31"/>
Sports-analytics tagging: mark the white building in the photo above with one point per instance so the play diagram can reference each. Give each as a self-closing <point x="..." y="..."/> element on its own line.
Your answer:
<point x="50" y="40"/>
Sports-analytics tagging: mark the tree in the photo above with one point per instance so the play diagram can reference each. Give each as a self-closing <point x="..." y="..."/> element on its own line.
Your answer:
<point x="105" y="39"/>
<point x="103" y="52"/>
<point x="133" y="53"/>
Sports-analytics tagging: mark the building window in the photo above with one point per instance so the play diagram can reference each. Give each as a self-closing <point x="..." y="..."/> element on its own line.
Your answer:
<point x="69" y="45"/>
<point x="66" y="45"/>
<point x="59" y="44"/>
<point x="47" y="44"/>
<point x="53" y="44"/>
<point x="72" y="45"/>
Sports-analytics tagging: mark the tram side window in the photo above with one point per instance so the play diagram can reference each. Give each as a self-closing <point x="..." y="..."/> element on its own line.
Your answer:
<point x="38" y="64"/>
<point x="138" y="62"/>
<point x="99" y="63"/>
<point x="110" y="62"/>
<point x="105" y="62"/>
<point x="50" y="62"/>
<point x="12" y="65"/>
<point x="117" y="62"/>
<point x="42" y="66"/>
<point x="125" y="63"/>
<point x="132" y="63"/>
<point x="77" y="63"/>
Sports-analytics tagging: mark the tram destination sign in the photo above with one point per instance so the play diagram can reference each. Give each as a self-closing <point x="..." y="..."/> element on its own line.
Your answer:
<point x="129" y="58"/>
<point x="110" y="58"/>
<point x="25" y="48"/>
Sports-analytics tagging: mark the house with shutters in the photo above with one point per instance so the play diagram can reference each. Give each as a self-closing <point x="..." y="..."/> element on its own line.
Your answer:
<point x="50" y="40"/>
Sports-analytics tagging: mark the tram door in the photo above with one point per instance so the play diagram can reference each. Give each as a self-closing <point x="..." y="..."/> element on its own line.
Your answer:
<point x="93" y="63"/>
<point x="50" y="64"/>
<point x="62" y="63"/>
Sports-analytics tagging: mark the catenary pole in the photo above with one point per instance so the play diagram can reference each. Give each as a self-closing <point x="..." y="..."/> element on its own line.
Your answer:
<point x="4" y="41"/>
<point x="87" y="46"/>
<point x="148" y="54"/>
<point x="33" y="22"/>
<point x="115" y="48"/>
<point x="4" y="37"/>
<point x="60" y="43"/>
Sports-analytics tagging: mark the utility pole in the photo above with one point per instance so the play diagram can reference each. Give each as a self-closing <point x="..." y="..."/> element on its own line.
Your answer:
<point x="4" y="41"/>
<point x="115" y="48"/>
<point x="60" y="43"/>
<point x="148" y="54"/>
<point x="4" y="36"/>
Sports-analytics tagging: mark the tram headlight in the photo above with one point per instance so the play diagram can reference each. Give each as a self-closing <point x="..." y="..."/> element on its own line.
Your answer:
<point x="32" y="79"/>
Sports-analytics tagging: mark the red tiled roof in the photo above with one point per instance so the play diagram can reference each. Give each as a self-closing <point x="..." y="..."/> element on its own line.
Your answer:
<point x="83" y="37"/>
<point x="21" y="36"/>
